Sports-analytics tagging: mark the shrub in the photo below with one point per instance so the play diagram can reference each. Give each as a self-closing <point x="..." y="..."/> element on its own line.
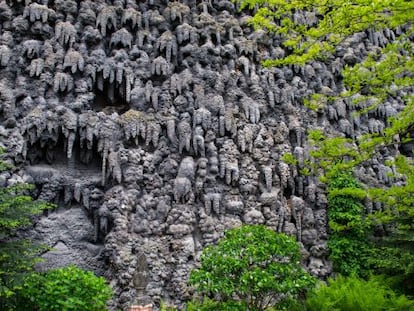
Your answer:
<point x="252" y="267"/>
<point x="17" y="256"/>
<point x="212" y="305"/>
<point x="68" y="288"/>
<point x="348" y="241"/>
<point x="353" y="293"/>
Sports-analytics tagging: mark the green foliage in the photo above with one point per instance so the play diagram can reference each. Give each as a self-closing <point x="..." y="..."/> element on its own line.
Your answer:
<point x="289" y="158"/>
<point x="68" y="288"/>
<point x="391" y="252"/>
<point x="401" y="198"/>
<point x="211" y="305"/>
<point x="332" y="154"/>
<point x="397" y="263"/>
<point x="383" y="74"/>
<point x="20" y="287"/>
<point x="394" y="255"/>
<point x="353" y="293"/>
<point x="166" y="307"/>
<point x="207" y="304"/>
<point x="17" y="257"/>
<point x="349" y="254"/>
<point x="316" y="102"/>
<point x="17" y="260"/>
<point x="252" y="266"/>
<point x="348" y="241"/>
<point x="17" y="208"/>
<point x="345" y="206"/>
<point x="16" y="205"/>
<point x="333" y="22"/>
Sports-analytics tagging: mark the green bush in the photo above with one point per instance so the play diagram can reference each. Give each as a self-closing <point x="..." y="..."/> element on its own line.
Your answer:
<point x="354" y="294"/>
<point x="397" y="263"/>
<point x="253" y="268"/>
<point x="211" y="305"/>
<point x="348" y="241"/>
<point x="64" y="289"/>
<point x="349" y="254"/>
<point x="165" y="307"/>
<point x="17" y="256"/>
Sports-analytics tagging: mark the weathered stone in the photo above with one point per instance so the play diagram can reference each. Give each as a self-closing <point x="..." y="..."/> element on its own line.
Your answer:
<point x="153" y="128"/>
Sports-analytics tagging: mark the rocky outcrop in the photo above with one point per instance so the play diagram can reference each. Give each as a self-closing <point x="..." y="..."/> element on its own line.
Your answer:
<point x="153" y="127"/>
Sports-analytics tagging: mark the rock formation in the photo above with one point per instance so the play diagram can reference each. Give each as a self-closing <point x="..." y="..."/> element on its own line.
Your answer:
<point x="153" y="127"/>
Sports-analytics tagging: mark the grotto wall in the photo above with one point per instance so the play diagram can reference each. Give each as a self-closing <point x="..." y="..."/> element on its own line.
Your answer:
<point x="153" y="127"/>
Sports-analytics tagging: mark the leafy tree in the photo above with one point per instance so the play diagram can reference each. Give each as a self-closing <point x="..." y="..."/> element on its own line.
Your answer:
<point x="386" y="72"/>
<point x="17" y="256"/>
<point x="353" y="293"/>
<point x="166" y="307"/>
<point x="348" y="241"/>
<point x="212" y="305"/>
<point x="252" y="267"/>
<point x="394" y="254"/>
<point x="68" y="288"/>
<point x="327" y="24"/>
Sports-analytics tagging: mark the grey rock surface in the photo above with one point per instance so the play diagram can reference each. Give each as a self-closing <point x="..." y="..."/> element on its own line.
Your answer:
<point x="153" y="127"/>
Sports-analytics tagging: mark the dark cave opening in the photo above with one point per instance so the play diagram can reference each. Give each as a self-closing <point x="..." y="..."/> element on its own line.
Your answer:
<point x="48" y="149"/>
<point x="288" y="192"/>
<point x="110" y="99"/>
<point x="157" y="80"/>
<point x="214" y="39"/>
<point x="51" y="151"/>
<point x="175" y="23"/>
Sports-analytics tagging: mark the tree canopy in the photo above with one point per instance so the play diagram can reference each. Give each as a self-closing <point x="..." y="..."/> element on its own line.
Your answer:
<point x="67" y="288"/>
<point x="353" y="293"/>
<point x="317" y="30"/>
<point x="17" y="256"/>
<point x="252" y="267"/>
<point x="312" y="29"/>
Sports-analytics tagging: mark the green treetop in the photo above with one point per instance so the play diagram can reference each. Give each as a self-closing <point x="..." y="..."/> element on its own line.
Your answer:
<point x="17" y="256"/>
<point x="252" y="268"/>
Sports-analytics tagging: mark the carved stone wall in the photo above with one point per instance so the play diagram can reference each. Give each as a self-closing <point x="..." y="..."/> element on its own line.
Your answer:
<point x="153" y="127"/>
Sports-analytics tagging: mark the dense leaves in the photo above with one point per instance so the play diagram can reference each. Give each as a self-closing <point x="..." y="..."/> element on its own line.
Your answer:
<point x="17" y="208"/>
<point x="348" y="241"/>
<point x="353" y="293"/>
<point x="313" y="29"/>
<point x="212" y="305"/>
<point x="393" y="251"/>
<point x="17" y="256"/>
<point x="68" y="288"/>
<point x="252" y="266"/>
<point x="394" y="255"/>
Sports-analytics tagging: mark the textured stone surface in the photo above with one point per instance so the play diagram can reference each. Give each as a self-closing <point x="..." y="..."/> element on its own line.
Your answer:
<point x="154" y="128"/>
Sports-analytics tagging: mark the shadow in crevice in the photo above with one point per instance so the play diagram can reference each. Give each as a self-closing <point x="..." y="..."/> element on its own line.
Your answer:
<point x="110" y="100"/>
